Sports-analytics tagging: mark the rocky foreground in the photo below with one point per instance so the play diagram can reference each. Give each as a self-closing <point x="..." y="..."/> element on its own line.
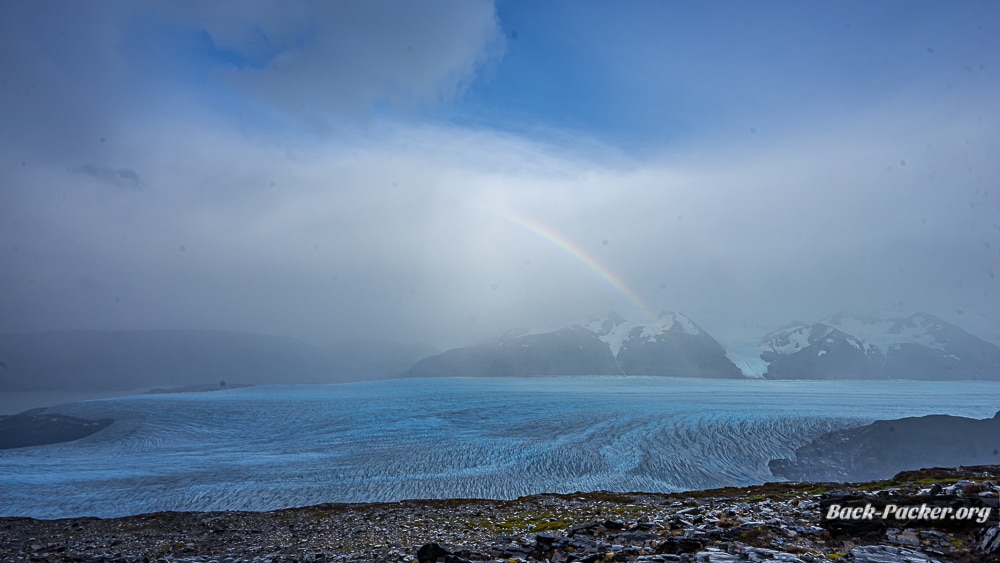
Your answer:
<point x="772" y="522"/>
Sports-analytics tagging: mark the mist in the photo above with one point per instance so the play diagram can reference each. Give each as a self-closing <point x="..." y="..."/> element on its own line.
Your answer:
<point x="172" y="166"/>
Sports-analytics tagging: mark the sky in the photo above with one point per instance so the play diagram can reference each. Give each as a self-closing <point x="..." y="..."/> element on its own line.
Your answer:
<point x="447" y="171"/>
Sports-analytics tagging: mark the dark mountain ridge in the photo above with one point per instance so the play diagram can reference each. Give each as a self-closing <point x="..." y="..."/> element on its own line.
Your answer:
<point x="672" y="345"/>
<point x="847" y="346"/>
<point x="886" y="447"/>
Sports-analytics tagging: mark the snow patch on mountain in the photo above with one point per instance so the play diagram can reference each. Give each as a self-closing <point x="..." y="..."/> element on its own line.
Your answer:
<point x="845" y="345"/>
<point x="793" y="339"/>
<point x="611" y="328"/>
<point x="920" y="328"/>
<point x="677" y="321"/>
<point x="869" y="336"/>
<point x="788" y="340"/>
<point x="614" y="330"/>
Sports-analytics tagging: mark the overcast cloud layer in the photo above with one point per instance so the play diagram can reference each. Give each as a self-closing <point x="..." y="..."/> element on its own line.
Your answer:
<point x="327" y="170"/>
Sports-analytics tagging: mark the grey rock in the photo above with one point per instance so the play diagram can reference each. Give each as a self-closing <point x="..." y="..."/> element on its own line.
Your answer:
<point x="903" y="537"/>
<point x="991" y="541"/>
<point x="762" y="554"/>
<point x="888" y="554"/>
<point x="713" y="555"/>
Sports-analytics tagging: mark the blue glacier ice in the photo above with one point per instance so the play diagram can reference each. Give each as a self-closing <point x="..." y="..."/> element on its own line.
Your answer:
<point x="268" y="447"/>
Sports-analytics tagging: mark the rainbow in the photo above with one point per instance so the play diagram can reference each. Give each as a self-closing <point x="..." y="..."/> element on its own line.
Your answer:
<point x="591" y="263"/>
<point x="575" y="251"/>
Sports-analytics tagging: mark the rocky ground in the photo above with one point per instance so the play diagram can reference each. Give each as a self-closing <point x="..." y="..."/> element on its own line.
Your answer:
<point x="774" y="522"/>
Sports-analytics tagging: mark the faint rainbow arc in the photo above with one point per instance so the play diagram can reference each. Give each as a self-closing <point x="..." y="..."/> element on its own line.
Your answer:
<point x="609" y="276"/>
<point x="578" y="253"/>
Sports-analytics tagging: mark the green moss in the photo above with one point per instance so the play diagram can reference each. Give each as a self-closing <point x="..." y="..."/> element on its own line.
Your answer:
<point x="817" y="490"/>
<point x="320" y="513"/>
<point x="531" y="517"/>
<point x="550" y="526"/>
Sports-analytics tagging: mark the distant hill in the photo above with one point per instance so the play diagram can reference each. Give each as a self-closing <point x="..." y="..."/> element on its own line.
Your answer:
<point x="34" y="428"/>
<point x="672" y="345"/>
<point x="886" y="447"/>
<point x="847" y="346"/>
<point x="106" y="360"/>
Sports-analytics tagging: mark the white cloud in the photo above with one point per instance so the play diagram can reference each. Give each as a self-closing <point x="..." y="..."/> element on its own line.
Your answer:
<point x="395" y="231"/>
<point x="386" y="223"/>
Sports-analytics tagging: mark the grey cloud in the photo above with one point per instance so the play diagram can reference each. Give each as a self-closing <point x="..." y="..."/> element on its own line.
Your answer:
<point x="90" y="285"/>
<point x="64" y="77"/>
<point x="121" y="177"/>
<point x="400" y="236"/>
<point x="88" y="70"/>
<point x="394" y="232"/>
<point x="322" y="59"/>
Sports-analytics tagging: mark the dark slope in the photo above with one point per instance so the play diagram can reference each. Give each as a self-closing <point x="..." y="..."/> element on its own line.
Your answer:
<point x="673" y="346"/>
<point x="35" y="428"/>
<point x="885" y="447"/>
<point x="571" y="351"/>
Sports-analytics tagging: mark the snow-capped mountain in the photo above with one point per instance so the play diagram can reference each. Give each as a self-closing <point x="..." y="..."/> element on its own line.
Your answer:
<point x="844" y="346"/>
<point x="819" y="351"/>
<point x="614" y="330"/>
<point x="672" y="345"/>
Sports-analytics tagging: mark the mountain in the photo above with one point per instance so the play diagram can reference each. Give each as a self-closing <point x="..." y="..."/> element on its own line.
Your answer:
<point x="673" y="345"/>
<point x="847" y="346"/>
<point x="819" y="351"/>
<point x="886" y="447"/>
<point x="108" y="360"/>
<point x="568" y="351"/>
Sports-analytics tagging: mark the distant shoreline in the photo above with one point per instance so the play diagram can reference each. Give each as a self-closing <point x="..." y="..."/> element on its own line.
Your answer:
<point x="197" y="388"/>
<point x="16" y="402"/>
<point x="34" y="427"/>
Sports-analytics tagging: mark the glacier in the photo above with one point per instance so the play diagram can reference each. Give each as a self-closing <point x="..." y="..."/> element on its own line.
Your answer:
<point x="269" y="447"/>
